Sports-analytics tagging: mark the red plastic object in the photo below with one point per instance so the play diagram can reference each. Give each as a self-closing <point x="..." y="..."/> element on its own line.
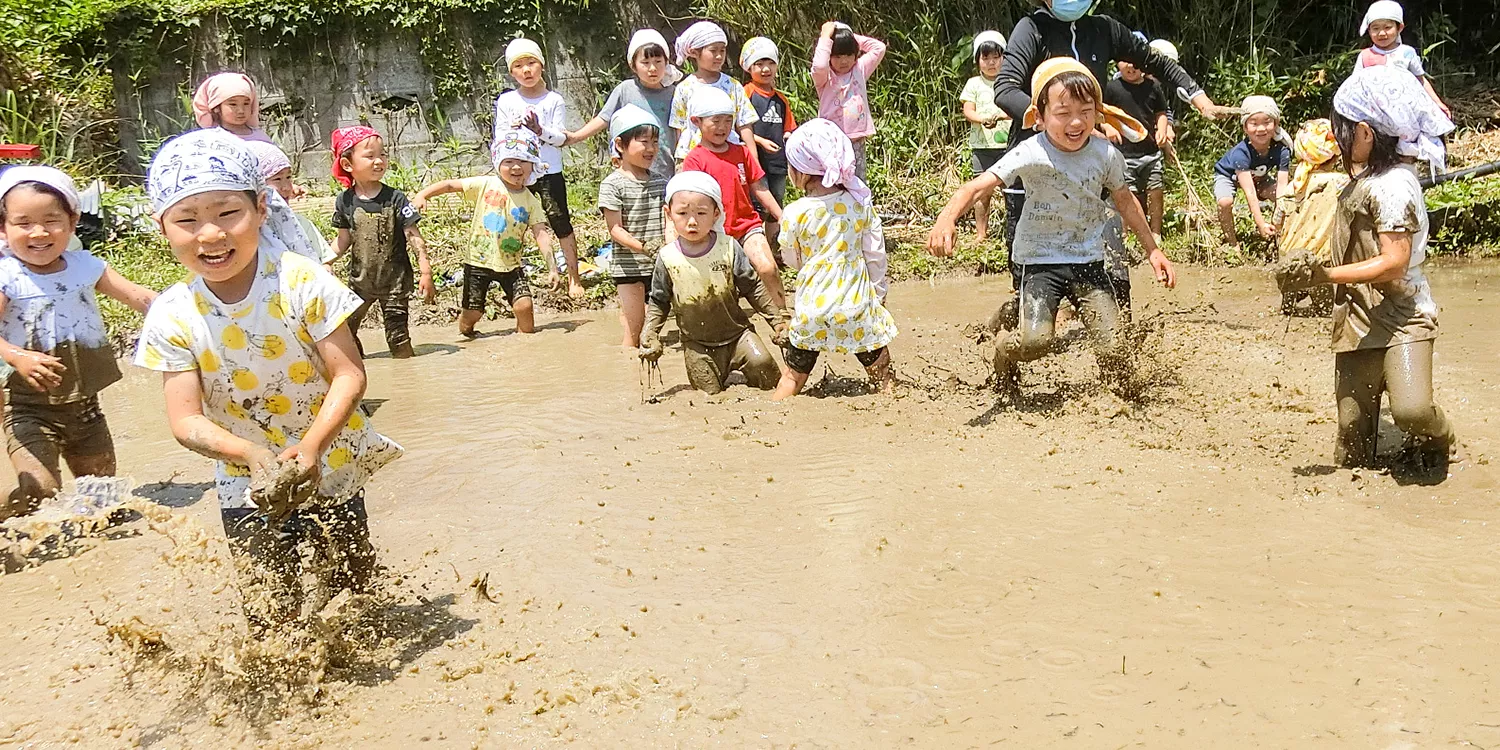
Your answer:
<point x="20" y="151"/>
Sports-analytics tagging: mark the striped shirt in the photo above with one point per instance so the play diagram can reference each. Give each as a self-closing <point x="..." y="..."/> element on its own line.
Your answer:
<point x="641" y="214"/>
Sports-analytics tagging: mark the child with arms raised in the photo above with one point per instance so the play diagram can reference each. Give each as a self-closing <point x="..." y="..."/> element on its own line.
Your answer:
<point x="706" y="45"/>
<point x="229" y="101"/>
<point x="1384" y="317"/>
<point x="842" y="64"/>
<point x="740" y="178"/>
<point x="261" y="373"/>
<point x="53" y="336"/>
<point x="1059" y="251"/>
<point x="632" y="199"/>
<point x="701" y="277"/>
<point x="833" y="237"/>
<point x="376" y="225"/>
<point x="1256" y="166"/>
<point x="1384" y="21"/>
<point x="651" y="89"/>
<point x="989" y="127"/>
<point x="533" y="107"/>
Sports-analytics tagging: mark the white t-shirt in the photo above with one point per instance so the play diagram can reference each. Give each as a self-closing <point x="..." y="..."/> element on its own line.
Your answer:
<point x="551" y="111"/>
<point x="261" y="374"/>
<point x="58" y="314"/>
<point x="1404" y="56"/>
<point x="1065" y="218"/>
<point x="315" y="238"/>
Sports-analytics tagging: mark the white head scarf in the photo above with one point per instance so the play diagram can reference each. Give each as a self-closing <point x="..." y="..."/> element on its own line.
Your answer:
<point x="1391" y="101"/>
<point x="1165" y="49"/>
<point x="1264" y="105"/>
<point x="630" y="117"/>
<point x="521" y="144"/>
<point x="820" y="148"/>
<point x="697" y="182"/>
<point x="519" y="49"/>
<point x="643" y="37"/>
<point x="1382" y="10"/>
<point x="988" y="36"/>
<point x="272" y="159"/>
<point x="708" y="101"/>
<point x="756" y="49"/>
<point x="698" y="36"/>
<point x="49" y="176"/>
<point x="202" y="161"/>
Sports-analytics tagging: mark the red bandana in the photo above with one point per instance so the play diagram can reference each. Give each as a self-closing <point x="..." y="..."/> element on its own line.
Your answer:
<point x="343" y="140"/>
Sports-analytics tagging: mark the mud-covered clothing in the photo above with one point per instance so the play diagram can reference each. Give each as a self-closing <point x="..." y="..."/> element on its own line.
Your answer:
<point x="1308" y="219"/>
<point x="271" y="565"/>
<point x="262" y="377"/>
<point x="735" y="172"/>
<point x="501" y="222"/>
<point x="58" y="314"/>
<point x="1374" y="316"/>
<point x="708" y="367"/>
<point x="379" y="263"/>
<point x="841" y="278"/>
<point x="478" y="280"/>
<point x="804" y="360"/>
<point x="687" y="133"/>
<point x="642" y="214"/>
<point x="551" y="190"/>
<point x="658" y="102"/>
<point x="1065" y="218"/>
<point x="704" y="291"/>
<point x="776" y="122"/>
<point x="1405" y="372"/>
<point x="1043" y="288"/>
<point x="50" y="432"/>
<point x="395" y="317"/>
<point x="1143" y="101"/>
<point x="1243" y="157"/>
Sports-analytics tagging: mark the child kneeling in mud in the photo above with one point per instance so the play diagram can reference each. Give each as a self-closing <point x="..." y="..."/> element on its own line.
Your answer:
<point x="701" y="276"/>
<point x="1384" y="317"/>
<point x="1059" y="250"/>
<point x="261" y="373"/>
<point x="834" y="239"/>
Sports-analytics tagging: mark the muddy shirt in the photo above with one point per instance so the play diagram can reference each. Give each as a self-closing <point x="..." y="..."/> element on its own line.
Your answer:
<point x="379" y="264"/>
<point x="1377" y="316"/>
<point x="57" y="314"/>
<point x="1065" y="218"/>
<point x="704" y="291"/>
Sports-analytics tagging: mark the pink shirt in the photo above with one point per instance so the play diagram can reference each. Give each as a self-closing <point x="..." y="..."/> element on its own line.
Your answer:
<point x="844" y="98"/>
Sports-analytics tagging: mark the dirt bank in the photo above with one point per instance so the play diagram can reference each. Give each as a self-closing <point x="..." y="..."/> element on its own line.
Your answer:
<point x="572" y="564"/>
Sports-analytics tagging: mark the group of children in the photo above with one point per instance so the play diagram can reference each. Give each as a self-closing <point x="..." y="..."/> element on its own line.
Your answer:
<point x="262" y="368"/>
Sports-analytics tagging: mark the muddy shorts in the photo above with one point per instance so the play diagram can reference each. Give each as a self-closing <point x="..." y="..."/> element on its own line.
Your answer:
<point x="477" y="282"/>
<point x="51" y="432"/>
<point x="338" y="536"/>
<point x="804" y="360"/>
<point x="708" y="367"/>
<point x="623" y="280"/>
<point x="552" y="191"/>
<point x="1143" y="173"/>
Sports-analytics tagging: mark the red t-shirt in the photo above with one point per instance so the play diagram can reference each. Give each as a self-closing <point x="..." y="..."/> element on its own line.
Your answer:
<point x="735" y="171"/>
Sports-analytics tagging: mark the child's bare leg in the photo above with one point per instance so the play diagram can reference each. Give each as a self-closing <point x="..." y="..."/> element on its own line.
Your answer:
<point x="632" y="312"/>
<point x="525" y="320"/>
<point x="570" y="256"/>
<point x="707" y="366"/>
<point x="758" y="250"/>
<point x="1226" y="221"/>
<point x="752" y="358"/>
<point x="791" y="384"/>
<point x="1358" y="380"/>
<point x="467" y="320"/>
<point x="1155" y="199"/>
<point x="1408" y="380"/>
<point x="982" y="215"/>
<point x="878" y="367"/>
<point x="38" y="477"/>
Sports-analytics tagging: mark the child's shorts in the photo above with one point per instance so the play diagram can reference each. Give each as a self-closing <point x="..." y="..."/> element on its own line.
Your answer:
<point x="623" y="280"/>
<point x="803" y="360"/>
<point x="552" y="191"/>
<point x="53" y="431"/>
<point x="477" y="281"/>
<point x="1226" y="187"/>
<point x="984" y="158"/>
<point x="1144" y="173"/>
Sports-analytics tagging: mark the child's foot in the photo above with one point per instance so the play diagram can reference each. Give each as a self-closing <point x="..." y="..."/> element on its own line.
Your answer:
<point x="403" y="351"/>
<point x="469" y="334"/>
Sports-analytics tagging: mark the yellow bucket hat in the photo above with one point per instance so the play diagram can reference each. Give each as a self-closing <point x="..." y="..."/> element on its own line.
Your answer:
<point x="1130" y="128"/>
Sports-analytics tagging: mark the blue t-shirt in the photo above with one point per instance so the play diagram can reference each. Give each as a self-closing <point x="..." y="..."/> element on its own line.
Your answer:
<point x="1243" y="158"/>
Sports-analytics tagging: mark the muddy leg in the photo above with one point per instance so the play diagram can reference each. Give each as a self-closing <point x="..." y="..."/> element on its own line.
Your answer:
<point x="878" y="367"/>
<point x="752" y="358"/>
<point x="704" y="370"/>
<point x="36" y="453"/>
<point x="1357" y="383"/>
<point x="268" y="565"/>
<point x="343" y="539"/>
<point x="357" y="317"/>
<point x="395" y="311"/>
<point x="1101" y="314"/>
<point x="1408" y="380"/>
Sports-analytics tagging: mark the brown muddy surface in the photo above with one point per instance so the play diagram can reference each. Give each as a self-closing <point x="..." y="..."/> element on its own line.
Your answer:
<point x="930" y="569"/>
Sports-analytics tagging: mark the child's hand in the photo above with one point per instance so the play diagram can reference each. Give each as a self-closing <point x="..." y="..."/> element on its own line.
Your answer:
<point x="991" y="122"/>
<point x="419" y="203"/>
<point x="779" y="334"/>
<point x="768" y="145"/>
<point x="1111" y="132"/>
<point x="1266" y="230"/>
<point x="940" y="239"/>
<point x="651" y="349"/>
<point x="1165" y="273"/>
<point x="828" y="27"/>
<point x="531" y="122"/>
<point x="309" y="468"/>
<point x="429" y="292"/>
<point x="40" y="371"/>
<point x="1164" y="138"/>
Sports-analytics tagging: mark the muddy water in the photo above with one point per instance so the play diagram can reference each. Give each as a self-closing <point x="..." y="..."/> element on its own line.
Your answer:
<point x="928" y="569"/>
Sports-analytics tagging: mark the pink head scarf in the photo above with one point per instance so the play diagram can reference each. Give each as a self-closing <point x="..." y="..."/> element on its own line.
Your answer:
<point x="345" y="139"/>
<point x="698" y="36"/>
<point x="217" y="89"/>
<point x="819" y="147"/>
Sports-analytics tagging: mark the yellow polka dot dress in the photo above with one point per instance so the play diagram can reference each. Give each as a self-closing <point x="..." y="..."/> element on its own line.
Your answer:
<point x="837" y="307"/>
<point x="259" y="367"/>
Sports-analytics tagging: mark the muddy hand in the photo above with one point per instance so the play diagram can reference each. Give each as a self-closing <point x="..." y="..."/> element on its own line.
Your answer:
<point x="1298" y="272"/>
<point x="940" y="239"/>
<point x="40" y="371"/>
<point x="779" y="334"/>
<point x="273" y="485"/>
<point x="652" y="350"/>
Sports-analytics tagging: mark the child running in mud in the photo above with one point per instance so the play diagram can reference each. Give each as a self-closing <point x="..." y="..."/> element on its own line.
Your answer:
<point x="1059" y="251"/>
<point x="834" y="239"/>
<point x="276" y="170"/>
<point x="261" y="373"/>
<point x="740" y="180"/>
<point x="1384" y="318"/>
<point x="652" y="89"/>
<point x="989" y="127"/>
<point x="1256" y="166"/>
<point x="700" y="278"/>
<point x="632" y="200"/>
<point x="229" y="101"/>
<point x="842" y="64"/>
<point x="504" y="212"/>
<point x="1384" y="21"/>
<point x="53" y="336"/>
<point x="707" y="46"/>
<point x="376" y="225"/>
<point x="531" y="105"/>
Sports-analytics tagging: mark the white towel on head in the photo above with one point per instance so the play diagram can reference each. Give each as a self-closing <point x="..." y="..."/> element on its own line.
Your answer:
<point x="698" y="36"/>
<point x="1382" y="10"/>
<point x="757" y="49"/>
